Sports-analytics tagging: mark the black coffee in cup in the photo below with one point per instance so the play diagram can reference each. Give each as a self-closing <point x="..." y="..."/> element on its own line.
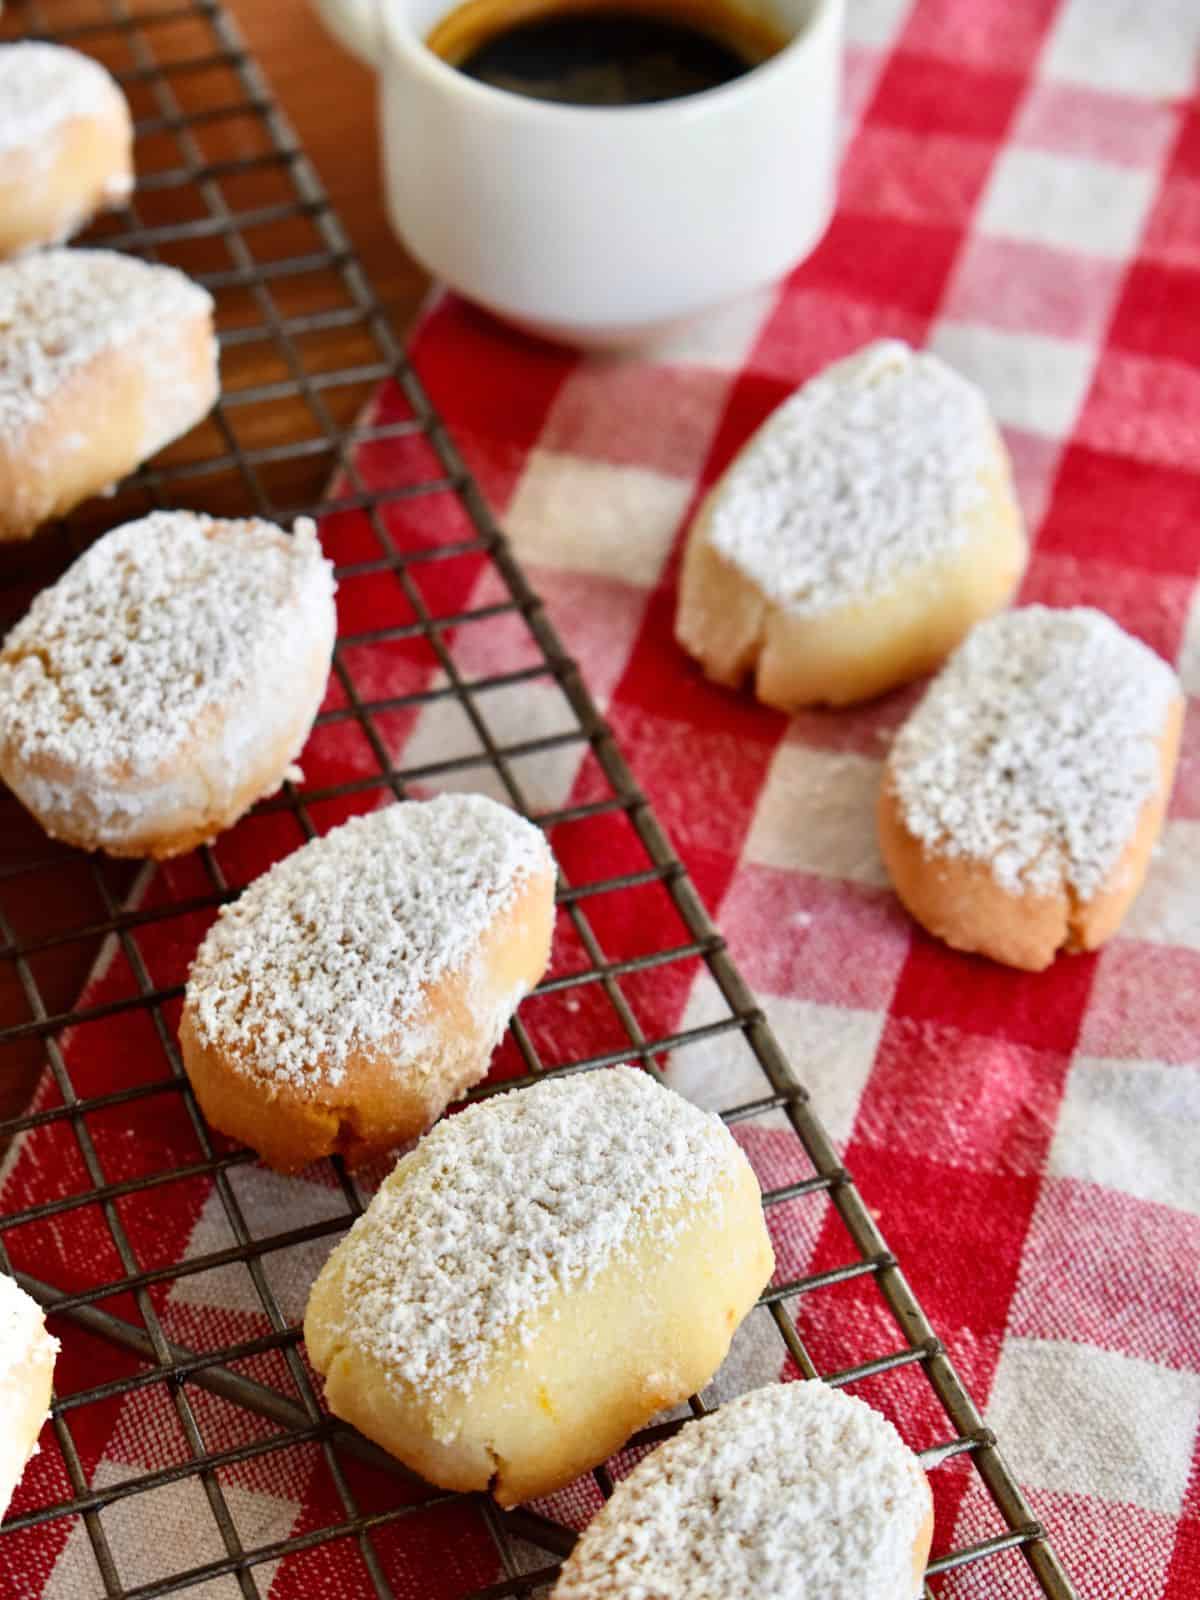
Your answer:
<point x="581" y="52"/>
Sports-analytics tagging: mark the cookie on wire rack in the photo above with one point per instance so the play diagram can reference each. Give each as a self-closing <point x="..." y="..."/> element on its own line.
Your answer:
<point x="27" y="1355"/>
<point x="167" y="681"/>
<point x="1023" y="797"/>
<point x="543" y="1274"/>
<point x="361" y="985"/>
<point x="66" y="144"/>
<point x="793" y="1491"/>
<point x="104" y="359"/>
<point x="856" y="538"/>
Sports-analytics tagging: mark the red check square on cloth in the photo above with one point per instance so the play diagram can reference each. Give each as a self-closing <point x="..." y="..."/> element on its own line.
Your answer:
<point x="1020" y="193"/>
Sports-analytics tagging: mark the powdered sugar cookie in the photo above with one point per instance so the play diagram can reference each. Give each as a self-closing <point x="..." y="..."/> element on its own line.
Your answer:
<point x="863" y="529"/>
<point x="362" y="984"/>
<point x="66" y="144"/>
<point x="166" y="681"/>
<point x="543" y="1274"/>
<point x="792" y="1491"/>
<point x="103" y="360"/>
<point x="27" y="1355"/>
<point x="1022" y="798"/>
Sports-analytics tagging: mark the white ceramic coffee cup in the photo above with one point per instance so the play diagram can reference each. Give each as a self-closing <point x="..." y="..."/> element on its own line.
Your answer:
<point x="603" y="225"/>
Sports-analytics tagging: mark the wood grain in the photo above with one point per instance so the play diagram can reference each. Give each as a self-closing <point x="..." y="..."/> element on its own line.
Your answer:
<point x="330" y="99"/>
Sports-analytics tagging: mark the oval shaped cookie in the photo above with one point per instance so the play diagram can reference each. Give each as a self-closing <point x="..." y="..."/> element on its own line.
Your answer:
<point x="103" y="360"/>
<point x="166" y="681"/>
<point x="545" y="1272"/>
<point x="27" y="1355"/>
<point x="794" y="1491"/>
<point x="66" y="144"/>
<point x="856" y="538"/>
<point x="1023" y="796"/>
<point x="362" y="983"/>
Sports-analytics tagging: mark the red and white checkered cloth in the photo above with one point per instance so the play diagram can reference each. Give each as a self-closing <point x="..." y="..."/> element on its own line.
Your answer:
<point x="1021" y="193"/>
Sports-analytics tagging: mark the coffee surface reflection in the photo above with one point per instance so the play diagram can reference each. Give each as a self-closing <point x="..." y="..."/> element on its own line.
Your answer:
<point x="591" y="54"/>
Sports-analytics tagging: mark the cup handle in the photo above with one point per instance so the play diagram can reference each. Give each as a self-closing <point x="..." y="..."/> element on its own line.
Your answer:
<point x="354" y="24"/>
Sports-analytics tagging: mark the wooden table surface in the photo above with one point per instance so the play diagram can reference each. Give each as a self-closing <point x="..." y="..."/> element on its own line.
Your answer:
<point x="330" y="100"/>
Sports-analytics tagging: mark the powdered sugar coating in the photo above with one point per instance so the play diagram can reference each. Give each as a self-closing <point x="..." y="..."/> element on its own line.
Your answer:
<point x="792" y="1491"/>
<point x="26" y="1364"/>
<point x="1036" y="748"/>
<point x="21" y="1325"/>
<point x="43" y="86"/>
<point x="156" y="631"/>
<point x="332" y="950"/>
<point x="59" y="309"/>
<point x="868" y="471"/>
<point x="510" y="1202"/>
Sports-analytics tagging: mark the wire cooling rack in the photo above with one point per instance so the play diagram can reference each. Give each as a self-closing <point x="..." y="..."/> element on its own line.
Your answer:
<point x="225" y="193"/>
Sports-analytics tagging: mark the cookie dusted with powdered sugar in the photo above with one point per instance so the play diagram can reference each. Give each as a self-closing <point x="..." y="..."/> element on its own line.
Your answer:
<point x="166" y="681"/>
<point x="538" y="1278"/>
<point x="1022" y="798"/>
<point x="856" y="538"/>
<point x="794" y="1491"/>
<point x="103" y="360"/>
<point x="27" y="1355"/>
<point x="362" y="983"/>
<point x="66" y="144"/>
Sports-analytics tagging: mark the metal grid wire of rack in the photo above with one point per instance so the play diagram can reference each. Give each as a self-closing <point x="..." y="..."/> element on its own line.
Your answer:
<point x="225" y="193"/>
